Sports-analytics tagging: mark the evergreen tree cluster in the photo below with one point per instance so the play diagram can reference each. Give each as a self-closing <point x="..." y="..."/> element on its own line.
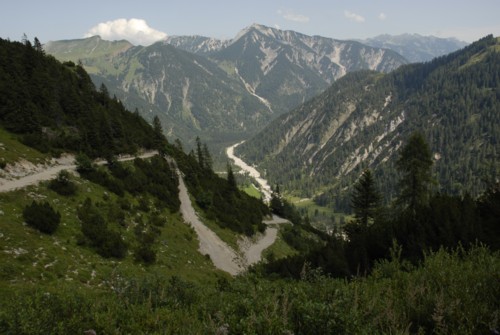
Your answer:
<point x="219" y="198"/>
<point x="283" y="208"/>
<point x="421" y="220"/>
<point x="107" y="242"/>
<point x="156" y="178"/>
<point x="63" y="184"/>
<point x="55" y="106"/>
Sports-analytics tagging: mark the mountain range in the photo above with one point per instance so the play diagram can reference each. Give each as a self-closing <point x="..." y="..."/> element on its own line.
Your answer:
<point x="191" y="95"/>
<point x="119" y="247"/>
<point x="414" y="47"/>
<point x="320" y="149"/>
<point x="221" y="90"/>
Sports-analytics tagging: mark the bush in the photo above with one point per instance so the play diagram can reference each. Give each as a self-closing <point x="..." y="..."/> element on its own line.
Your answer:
<point x="112" y="246"/>
<point x="63" y="184"/>
<point x="83" y="164"/>
<point x="95" y="230"/>
<point x="42" y="217"/>
<point x="145" y="254"/>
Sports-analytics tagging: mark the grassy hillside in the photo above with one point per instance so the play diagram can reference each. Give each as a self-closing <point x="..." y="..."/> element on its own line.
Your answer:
<point x="29" y="256"/>
<point x="12" y="150"/>
<point x="450" y="293"/>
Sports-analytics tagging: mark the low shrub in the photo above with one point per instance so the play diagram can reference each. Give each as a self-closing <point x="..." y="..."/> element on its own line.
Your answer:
<point x="42" y="217"/>
<point x="63" y="184"/>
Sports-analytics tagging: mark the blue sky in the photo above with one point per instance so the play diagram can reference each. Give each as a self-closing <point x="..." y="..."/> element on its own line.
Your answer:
<point x="54" y="20"/>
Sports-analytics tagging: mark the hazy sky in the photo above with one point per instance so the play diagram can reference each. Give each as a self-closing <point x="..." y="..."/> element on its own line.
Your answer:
<point x="54" y="20"/>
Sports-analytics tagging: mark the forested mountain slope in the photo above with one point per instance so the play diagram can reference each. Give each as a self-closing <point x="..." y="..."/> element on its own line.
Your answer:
<point x="55" y="106"/>
<point x="321" y="148"/>
<point x="222" y="91"/>
<point x="190" y="94"/>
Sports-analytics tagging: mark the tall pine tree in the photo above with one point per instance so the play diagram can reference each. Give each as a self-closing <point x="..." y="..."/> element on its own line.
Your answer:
<point x="415" y="163"/>
<point x="365" y="199"/>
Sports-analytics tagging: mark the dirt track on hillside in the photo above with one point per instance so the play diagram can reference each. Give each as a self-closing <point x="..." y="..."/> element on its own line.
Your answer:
<point x="222" y="255"/>
<point x="43" y="173"/>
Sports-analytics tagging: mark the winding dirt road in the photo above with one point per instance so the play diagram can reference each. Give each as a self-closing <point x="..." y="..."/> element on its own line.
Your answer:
<point x="252" y="252"/>
<point x="221" y="254"/>
<point x="50" y="172"/>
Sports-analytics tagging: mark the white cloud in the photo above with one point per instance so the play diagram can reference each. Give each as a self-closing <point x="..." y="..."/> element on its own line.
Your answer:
<point x="353" y="16"/>
<point x="136" y="31"/>
<point x="382" y="16"/>
<point x="291" y="16"/>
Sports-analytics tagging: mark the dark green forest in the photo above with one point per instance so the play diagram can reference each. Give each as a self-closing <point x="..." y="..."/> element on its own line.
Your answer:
<point x="418" y="222"/>
<point x="56" y="107"/>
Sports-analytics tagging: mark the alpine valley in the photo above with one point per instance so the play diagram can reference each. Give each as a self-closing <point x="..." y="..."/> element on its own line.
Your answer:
<point x="116" y="216"/>
<point x="222" y="91"/>
<point x="360" y="122"/>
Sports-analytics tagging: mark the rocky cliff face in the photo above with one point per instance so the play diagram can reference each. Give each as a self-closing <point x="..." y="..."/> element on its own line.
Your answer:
<point x="197" y="44"/>
<point x="286" y="68"/>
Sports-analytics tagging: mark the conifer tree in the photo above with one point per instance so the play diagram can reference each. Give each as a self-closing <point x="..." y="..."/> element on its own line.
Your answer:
<point x="38" y="46"/>
<point x="414" y="163"/>
<point x="199" y="152"/>
<point x="365" y="199"/>
<point x="230" y="177"/>
<point x="159" y="139"/>
<point x="207" y="157"/>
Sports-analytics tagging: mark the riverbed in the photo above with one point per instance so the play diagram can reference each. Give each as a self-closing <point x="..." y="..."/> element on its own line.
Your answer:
<point x="263" y="185"/>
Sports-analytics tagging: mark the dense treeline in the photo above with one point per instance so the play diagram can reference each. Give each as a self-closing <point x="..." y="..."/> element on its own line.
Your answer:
<point x="419" y="221"/>
<point x="56" y="107"/>
<point x="219" y="198"/>
<point x="156" y="178"/>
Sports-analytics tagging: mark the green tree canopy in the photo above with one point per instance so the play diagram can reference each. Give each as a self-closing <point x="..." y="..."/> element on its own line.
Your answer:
<point x="42" y="217"/>
<point x="365" y="199"/>
<point x="415" y="163"/>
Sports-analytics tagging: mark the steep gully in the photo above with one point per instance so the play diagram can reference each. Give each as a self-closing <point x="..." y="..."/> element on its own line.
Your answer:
<point x="222" y="255"/>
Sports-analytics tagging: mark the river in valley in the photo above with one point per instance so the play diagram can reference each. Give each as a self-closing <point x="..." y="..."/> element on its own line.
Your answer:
<point x="264" y="187"/>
